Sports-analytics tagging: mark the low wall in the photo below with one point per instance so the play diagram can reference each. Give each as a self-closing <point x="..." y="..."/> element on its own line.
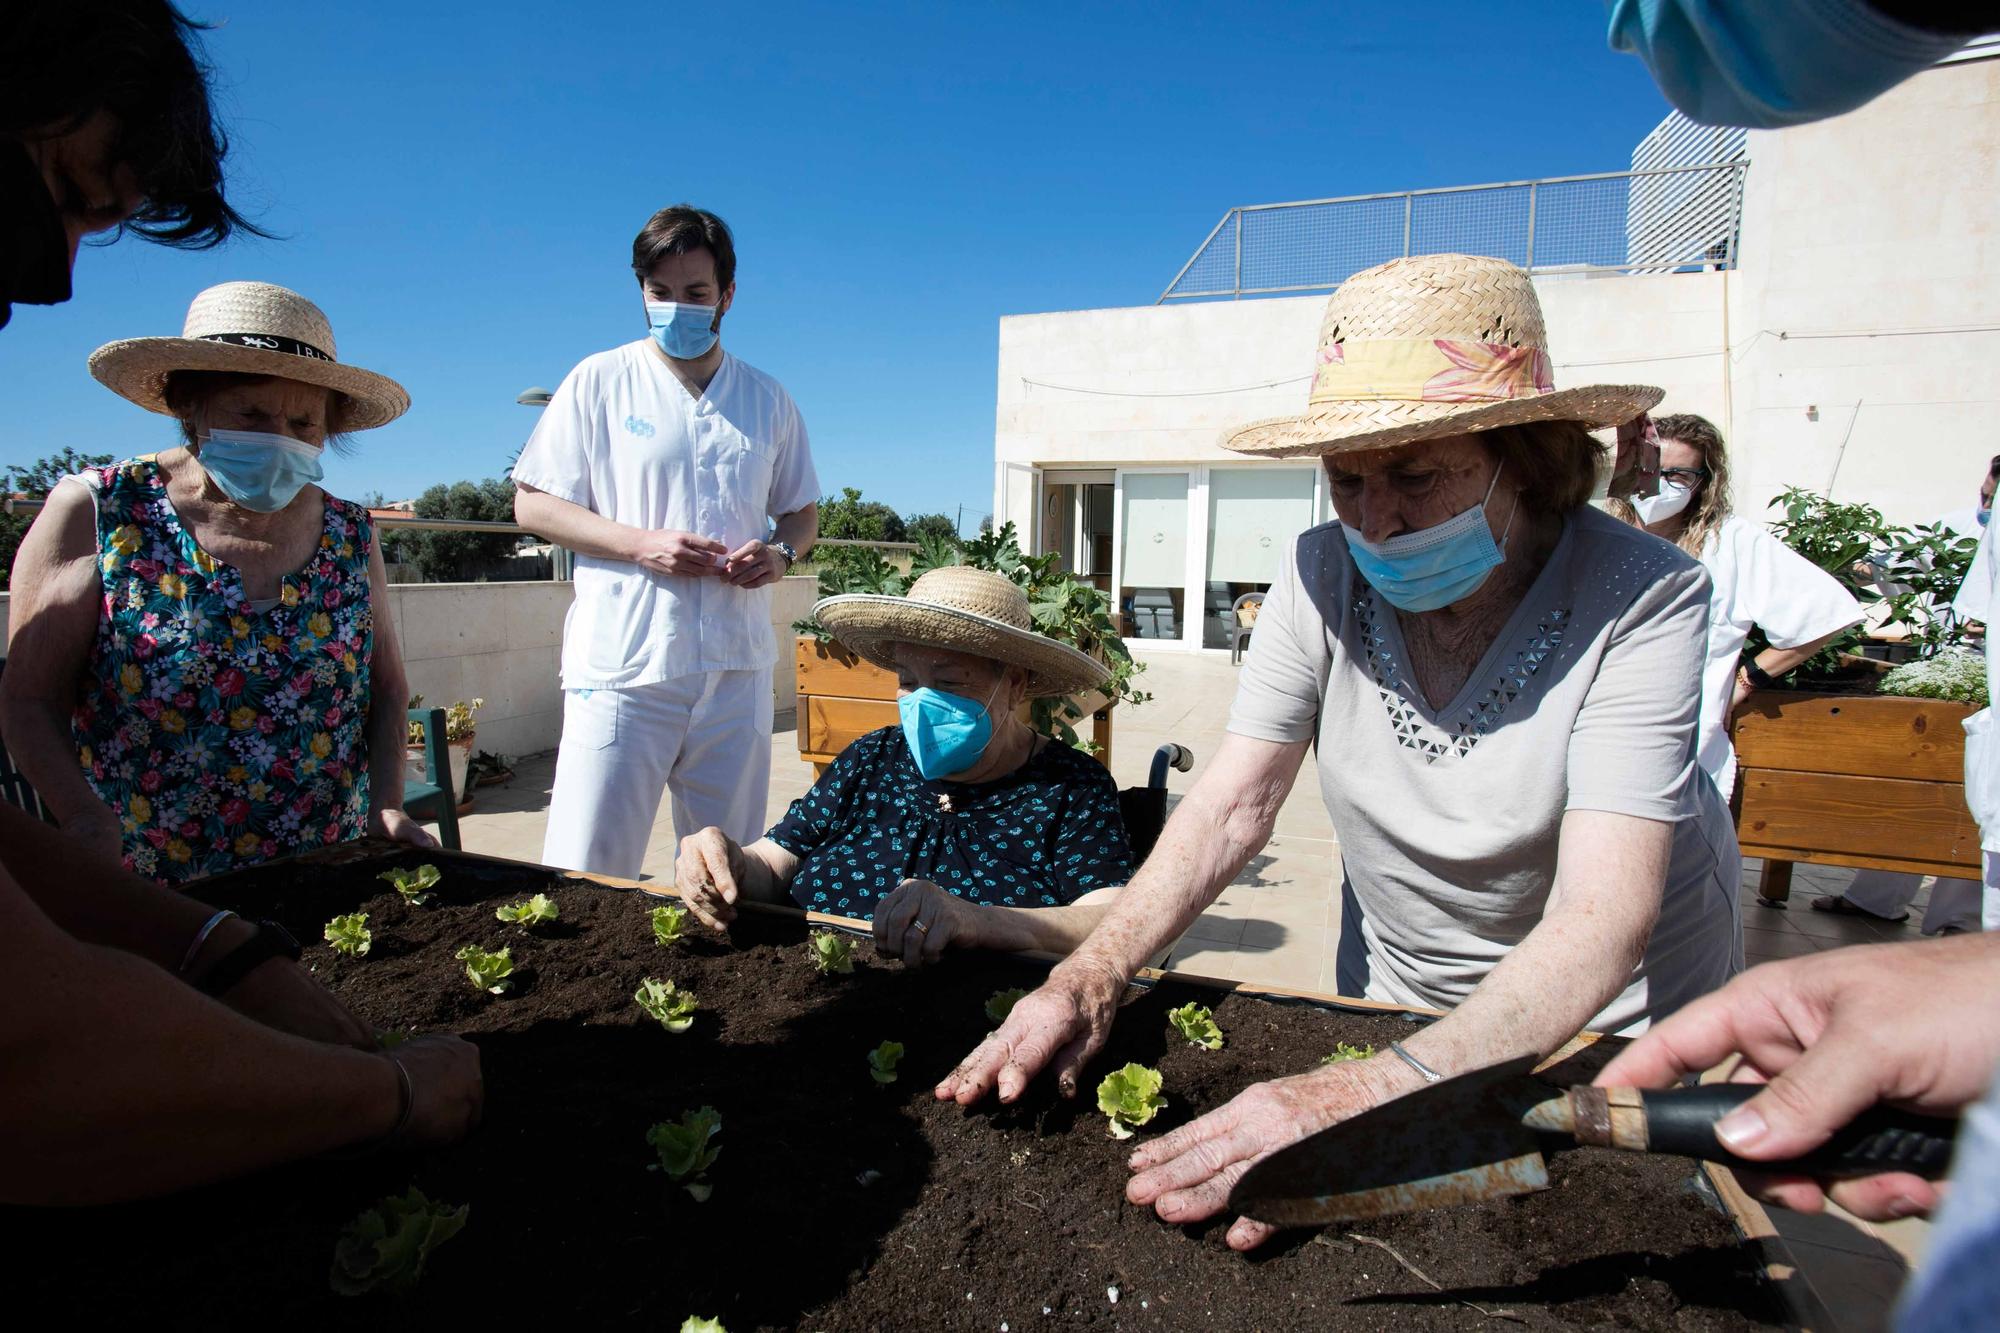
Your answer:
<point x="502" y="642"/>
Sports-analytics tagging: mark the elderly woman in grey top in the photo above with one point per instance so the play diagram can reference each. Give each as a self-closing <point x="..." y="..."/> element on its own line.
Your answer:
<point x="1502" y="684"/>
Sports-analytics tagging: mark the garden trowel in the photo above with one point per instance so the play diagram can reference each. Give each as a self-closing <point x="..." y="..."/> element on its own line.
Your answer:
<point x="1483" y="1135"/>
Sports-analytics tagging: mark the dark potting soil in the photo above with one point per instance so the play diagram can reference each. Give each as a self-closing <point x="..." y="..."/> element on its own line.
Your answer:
<point x="838" y="1204"/>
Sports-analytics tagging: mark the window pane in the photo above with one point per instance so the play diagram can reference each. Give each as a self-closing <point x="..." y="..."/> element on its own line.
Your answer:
<point x="1156" y="512"/>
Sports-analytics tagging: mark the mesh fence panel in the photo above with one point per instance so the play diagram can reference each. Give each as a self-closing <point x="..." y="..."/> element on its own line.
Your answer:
<point x="1639" y="223"/>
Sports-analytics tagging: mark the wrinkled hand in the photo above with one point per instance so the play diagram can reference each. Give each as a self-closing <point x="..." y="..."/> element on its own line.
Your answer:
<point x="283" y="995"/>
<point x="1635" y="468"/>
<point x="709" y="874"/>
<point x="397" y="825"/>
<point x="1834" y="1034"/>
<point x="1063" y="1023"/>
<point x="753" y="564"/>
<point x="1187" y="1175"/>
<point x="947" y="921"/>
<point x="447" y="1090"/>
<point x="671" y="551"/>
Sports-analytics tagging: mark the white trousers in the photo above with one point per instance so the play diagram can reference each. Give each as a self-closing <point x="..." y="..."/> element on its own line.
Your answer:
<point x="1954" y="902"/>
<point x="706" y="737"/>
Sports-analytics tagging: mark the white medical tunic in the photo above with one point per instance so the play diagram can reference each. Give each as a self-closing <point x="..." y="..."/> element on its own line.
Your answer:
<point x="625" y="439"/>
<point x="1758" y="581"/>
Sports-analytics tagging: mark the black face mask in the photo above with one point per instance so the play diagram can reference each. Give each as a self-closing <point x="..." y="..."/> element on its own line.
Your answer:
<point x="34" y="248"/>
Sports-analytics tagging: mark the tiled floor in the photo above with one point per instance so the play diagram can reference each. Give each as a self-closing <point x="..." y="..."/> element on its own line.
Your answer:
<point x="1278" y="923"/>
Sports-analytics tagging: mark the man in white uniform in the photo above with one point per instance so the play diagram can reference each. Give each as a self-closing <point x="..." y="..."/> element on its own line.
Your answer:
<point x="664" y="464"/>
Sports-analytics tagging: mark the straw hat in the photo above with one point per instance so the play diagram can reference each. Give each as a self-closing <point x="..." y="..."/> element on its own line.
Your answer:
<point x="1435" y="345"/>
<point x="251" y="328"/>
<point x="967" y="611"/>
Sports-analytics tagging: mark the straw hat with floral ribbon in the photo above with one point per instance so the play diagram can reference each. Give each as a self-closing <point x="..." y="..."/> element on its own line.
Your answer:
<point x="965" y="610"/>
<point x="1430" y="346"/>
<point x="251" y="328"/>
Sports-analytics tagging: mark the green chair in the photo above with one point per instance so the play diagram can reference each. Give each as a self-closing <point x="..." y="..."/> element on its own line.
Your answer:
<point x="433" y="798"/>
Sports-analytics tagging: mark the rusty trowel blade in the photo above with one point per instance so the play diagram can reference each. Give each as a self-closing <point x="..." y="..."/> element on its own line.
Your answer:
<point x="1458" y="1141"/>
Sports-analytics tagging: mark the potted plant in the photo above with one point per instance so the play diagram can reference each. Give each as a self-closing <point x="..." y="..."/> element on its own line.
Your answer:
<point x="1845" y="765"/>
<point x="460" y="730"/>
<point x="843" y="697"/>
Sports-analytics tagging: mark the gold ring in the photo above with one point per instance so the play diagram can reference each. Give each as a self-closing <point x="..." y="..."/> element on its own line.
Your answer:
<point x="922" y="927"/>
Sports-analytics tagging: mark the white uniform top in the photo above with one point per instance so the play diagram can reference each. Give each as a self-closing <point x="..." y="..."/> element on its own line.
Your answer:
<point x="623" y="438"/>
<point x="1758" y="581"/>
<point x="1982" y="754"/>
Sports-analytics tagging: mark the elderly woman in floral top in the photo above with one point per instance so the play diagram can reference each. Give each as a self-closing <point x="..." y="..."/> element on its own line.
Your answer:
<point x="199" y="680"/>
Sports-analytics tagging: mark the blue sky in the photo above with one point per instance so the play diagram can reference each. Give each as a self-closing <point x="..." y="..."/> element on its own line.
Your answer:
<point x="458" y="186"/>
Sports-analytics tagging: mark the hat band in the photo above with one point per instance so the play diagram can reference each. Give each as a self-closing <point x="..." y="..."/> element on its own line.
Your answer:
<point x="1430" y="370"/>
<point x="267" y="342"/>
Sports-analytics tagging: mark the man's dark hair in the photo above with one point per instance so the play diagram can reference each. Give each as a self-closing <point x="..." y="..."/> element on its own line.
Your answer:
<point x="676" y="231"/>
<point x="141" y="62"/>
<point x="1993" y="468"/>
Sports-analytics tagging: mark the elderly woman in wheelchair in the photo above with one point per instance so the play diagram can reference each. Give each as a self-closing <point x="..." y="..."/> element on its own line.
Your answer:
<point x="962" y="827"/>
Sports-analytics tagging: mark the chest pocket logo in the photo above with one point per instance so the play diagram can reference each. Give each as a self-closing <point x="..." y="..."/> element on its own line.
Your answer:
<point x="639" y="426"/>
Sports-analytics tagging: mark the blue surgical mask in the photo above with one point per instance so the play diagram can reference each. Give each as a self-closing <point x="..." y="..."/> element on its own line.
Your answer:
<point x="684" y="332"/>
<point x="947" y="732"/>
<point x="1774" y="63"/>
<point x="1422" y="571"/>
<point x="260" y="472"/>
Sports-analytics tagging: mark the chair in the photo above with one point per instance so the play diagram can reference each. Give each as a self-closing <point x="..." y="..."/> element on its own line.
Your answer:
<point x="1145" y="808"/>
<point x="15" y="789"/>
<point x="433" y="798"/>
<point x="1238" y="630"/>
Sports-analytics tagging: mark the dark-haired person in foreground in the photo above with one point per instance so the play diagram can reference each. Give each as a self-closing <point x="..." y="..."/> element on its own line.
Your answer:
<point x="663" y="464"/>
<point x="119" y="1076"/>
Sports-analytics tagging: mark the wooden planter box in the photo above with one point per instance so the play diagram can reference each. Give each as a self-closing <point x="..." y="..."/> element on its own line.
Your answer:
<point x="1870" y="781"/>
<point x="843" y="697"/>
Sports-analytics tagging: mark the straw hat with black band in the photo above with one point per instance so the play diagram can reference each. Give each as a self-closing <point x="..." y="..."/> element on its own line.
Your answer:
<point x="1428" y="347"/>
<point x="250" y="328"/>
<point x="967" y="611"/>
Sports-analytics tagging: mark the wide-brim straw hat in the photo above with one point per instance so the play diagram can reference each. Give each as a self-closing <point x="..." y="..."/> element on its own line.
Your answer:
<point x="1430" y="346"/>
<point x="967" y="611"/>
<point x="250" y="328"/>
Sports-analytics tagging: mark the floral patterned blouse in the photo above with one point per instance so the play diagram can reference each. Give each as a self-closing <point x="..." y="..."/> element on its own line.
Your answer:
<point x="1042" y="836"/>
<point x="220" y="735"/>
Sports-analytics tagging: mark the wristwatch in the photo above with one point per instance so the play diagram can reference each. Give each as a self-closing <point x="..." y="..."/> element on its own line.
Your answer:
<point x="787" y="550"/>
<point x="269" y="941"/>
<point x="1759" y="677"/>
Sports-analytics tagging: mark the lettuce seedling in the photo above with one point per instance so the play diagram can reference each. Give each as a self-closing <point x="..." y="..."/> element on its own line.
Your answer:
<point x="696" y="1324"/>
<point x="830" y="952"/>
<point x="350" y="934"/>
<point x="1130" y="1097"/>
<point x="1001" y="1003"/>
<point x="414" y="885"/>
<point x="537" y="911"/>
<point x="385" y="1248"/>
<point x="390" y="1038"/>
<point x="685" y="1154"/>
<point x="487" y="971"/>
<point x="667" y="923"/>
<point x="882" y="1061"/>
<point x="1196" y="1022"/>
<point x="1342" y="1051"/>
<point x="671" y="1005"/>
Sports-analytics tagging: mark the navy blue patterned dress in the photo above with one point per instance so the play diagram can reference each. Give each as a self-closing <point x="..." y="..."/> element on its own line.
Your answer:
<point x="1044" y="835"/>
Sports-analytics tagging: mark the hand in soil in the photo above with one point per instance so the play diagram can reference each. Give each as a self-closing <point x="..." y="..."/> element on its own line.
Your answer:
<point x="285" y="996"/>
<point x="1063" y="1023"/>
<point x="707" y="872"/>
<point x="1186" y="1176"/>
<point x="447" y="1090"/>
<point x="396" y="825"/>
<point x="1873" y="1023"/>
<point x="944" y="918"/>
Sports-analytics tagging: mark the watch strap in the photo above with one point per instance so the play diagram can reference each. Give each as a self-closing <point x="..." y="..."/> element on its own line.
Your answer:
<point x="270" y="940"/>
<point x="787" y="550"/>
<point x="1759" y="677"/>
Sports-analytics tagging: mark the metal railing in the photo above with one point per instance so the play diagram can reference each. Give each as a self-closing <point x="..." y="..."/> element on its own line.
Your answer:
<point x="1665" y="220"/>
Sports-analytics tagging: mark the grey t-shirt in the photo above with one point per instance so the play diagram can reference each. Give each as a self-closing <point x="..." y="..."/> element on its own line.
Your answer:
<point x="1449" y="819"/>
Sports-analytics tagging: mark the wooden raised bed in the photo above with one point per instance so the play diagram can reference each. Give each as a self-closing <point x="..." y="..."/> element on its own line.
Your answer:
<point x="838" y="1205"/>
<point x="843" y="697"/>
<point x="1875" y="782"/>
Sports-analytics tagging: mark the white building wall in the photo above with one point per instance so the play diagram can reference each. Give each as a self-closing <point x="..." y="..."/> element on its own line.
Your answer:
<point x="1878" y="227"/>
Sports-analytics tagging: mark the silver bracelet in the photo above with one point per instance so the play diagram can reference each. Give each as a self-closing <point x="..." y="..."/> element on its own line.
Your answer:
<point x="201" y="938"/>
<point x="1430" y="1075"/>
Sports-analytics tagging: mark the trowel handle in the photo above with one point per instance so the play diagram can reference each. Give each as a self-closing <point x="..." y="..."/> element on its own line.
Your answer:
<point x="1682" y="1120"/>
